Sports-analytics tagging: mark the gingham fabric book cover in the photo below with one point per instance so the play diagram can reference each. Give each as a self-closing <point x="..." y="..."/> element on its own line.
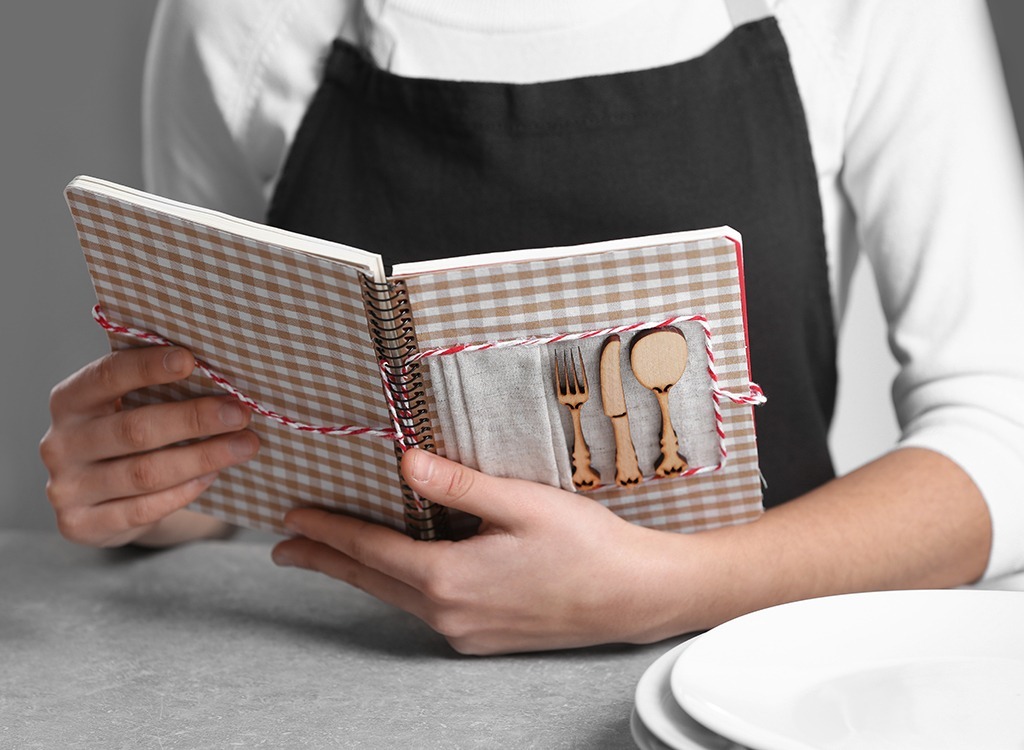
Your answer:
<point x="346" y="368"/>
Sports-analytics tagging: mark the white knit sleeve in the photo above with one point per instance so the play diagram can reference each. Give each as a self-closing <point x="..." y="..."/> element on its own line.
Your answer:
<point x="933" y="174"/>
<point x="189" y="150"/>
<point x="226" y="86"/>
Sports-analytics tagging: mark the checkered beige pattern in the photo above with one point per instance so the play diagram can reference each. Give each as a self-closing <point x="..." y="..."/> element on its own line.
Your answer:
<point x="286" y="328"/>
<point x="548" y="297"/>
<point x="289" y="330"/>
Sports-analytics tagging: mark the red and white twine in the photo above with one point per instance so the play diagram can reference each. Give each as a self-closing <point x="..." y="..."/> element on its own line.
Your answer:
<point x="223" y="383"/>
<point x="404" y="435"/>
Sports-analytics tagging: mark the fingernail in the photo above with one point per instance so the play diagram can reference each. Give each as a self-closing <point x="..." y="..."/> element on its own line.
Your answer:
<point x="282" y="557"/>
<point x="231" y="414"/>
<point x="243" y="445"/>
<point x="422" y="466"/>
<point x="175" y="360"/>
<point x="206" y="480"/>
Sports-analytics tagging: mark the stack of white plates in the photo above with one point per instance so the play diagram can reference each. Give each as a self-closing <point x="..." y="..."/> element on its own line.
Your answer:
<point x="906" y="670"/>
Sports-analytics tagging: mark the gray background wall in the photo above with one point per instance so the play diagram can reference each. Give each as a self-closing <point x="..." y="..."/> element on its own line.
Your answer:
<point x="70" y="74"/>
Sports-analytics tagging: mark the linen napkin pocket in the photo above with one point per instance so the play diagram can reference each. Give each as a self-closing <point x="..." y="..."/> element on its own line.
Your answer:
<point x="498" y="411"/>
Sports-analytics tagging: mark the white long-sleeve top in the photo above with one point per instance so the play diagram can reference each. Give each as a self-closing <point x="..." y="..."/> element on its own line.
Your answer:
<point x="917" y="158"/>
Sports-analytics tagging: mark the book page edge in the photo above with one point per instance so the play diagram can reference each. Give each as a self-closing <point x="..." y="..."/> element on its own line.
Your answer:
<point x="370" y="263"/>
<point x="402" y="270"/>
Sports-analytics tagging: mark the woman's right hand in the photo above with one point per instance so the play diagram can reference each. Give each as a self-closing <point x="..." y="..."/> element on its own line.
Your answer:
<point x="116" y="474"/>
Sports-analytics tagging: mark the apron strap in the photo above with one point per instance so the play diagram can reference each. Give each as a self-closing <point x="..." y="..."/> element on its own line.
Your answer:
<point x="746" y="11"/>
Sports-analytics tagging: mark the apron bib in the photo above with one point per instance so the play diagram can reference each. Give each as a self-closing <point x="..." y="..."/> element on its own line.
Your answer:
<point x="416" y="169"/>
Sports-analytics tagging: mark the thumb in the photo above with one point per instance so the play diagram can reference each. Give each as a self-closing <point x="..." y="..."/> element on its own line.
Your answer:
<point x="501" y="501"/>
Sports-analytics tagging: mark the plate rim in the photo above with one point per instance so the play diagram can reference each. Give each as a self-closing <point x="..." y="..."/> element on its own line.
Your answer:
<point x="656" y="683"/>
<point x="742" y="730"/>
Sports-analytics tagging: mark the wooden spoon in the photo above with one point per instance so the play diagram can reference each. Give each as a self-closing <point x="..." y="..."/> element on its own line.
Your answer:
<point x="658" y="359"/>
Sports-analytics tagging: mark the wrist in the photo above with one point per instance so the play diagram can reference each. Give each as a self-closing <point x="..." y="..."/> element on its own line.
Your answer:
<point x="716" y="575"/>
<point x="685" y="585"/>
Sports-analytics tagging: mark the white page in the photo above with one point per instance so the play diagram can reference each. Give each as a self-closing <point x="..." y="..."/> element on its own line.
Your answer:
<point x="522" y="256"/>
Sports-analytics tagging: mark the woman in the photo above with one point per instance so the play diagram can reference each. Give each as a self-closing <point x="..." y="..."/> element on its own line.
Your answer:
<point x="820" y="130"/>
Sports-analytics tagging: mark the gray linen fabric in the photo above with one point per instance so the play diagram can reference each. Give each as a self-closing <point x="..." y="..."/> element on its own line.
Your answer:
<point x="499" y="412"/>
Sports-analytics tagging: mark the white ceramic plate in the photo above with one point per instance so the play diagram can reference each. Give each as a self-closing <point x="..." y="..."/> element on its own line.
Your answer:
<point x="902" y="670"/>
<point x="642" y="736"/>
<point x="660" y="714"/>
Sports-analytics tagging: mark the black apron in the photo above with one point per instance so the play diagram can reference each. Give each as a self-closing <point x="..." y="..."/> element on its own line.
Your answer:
<point x="416" y="169"/>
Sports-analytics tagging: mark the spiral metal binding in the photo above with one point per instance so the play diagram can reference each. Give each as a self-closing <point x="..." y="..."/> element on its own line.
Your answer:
<point x="391" y="328"/>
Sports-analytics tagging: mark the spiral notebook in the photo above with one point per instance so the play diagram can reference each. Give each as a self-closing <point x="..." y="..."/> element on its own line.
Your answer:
<point x="346" y="367"/>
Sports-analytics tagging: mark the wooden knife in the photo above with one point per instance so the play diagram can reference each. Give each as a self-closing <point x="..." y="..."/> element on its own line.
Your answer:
<point x="613" y="399"/>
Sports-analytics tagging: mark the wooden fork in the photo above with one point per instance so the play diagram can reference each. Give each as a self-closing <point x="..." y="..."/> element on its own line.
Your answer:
<point x="573" y="393"/>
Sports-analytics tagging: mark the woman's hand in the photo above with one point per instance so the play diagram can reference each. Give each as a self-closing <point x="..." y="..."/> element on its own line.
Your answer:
<point x="116" y="475"/>
<point x="548" y="569"/>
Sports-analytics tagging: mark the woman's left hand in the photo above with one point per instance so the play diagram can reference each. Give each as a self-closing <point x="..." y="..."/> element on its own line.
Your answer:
<point x="548" y="568"/>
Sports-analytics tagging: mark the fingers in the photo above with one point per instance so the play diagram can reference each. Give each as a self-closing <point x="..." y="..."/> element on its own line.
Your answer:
<point x="99" y="384"/>
<point x="114" y="474"/>
<point x="505" y="502"/>
<point x="312" y="555"/>
<point x="392" y="553"/>
<point x="156" y="471"/>
<point x="146" y="428"/>
<point x="119" y="521"/>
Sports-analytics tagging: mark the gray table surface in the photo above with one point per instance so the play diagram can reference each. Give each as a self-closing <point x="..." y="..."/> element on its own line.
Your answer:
<point x="211" y="645"/>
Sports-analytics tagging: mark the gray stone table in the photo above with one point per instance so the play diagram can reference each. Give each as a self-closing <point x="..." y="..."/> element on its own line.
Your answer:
<point x="211" y="645"/>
